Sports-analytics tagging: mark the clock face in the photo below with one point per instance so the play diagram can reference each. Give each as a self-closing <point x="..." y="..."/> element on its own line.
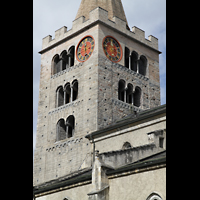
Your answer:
<point x="112" y="49"/>
<point x="85" y="48"/>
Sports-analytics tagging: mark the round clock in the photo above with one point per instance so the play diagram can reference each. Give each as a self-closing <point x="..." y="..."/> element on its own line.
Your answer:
<point x="85" y="48"/>
<point x="112" y="49"/>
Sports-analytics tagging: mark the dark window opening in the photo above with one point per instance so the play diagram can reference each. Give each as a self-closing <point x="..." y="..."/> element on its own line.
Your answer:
<point x="137" y="96"/>
<point x="134" y="57"/>
<point x="63" y="60"/>
<point x="75" y="90"/>
<point x="161" y="141"/>
<point x="71" y="54"/>
<point x="129" y="94"/>
<point x="121" y="88"/>
<point x="70" y="126"/>
<point x="126" y="57"/>
<point x="65" y="130"/>
<point x="61" y="130"/>
<point x="142" y="65"/>
<point x="60" y="97"/>
<point x="126" y="145"/>
<point x="67" y="93"/>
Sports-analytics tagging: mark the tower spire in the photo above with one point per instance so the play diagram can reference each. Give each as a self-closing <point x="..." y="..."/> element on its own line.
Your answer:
<point x="114" y="8"/>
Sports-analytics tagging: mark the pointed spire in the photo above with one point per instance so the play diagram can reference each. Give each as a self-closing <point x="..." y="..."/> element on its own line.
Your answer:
<point x="114" y="8"/>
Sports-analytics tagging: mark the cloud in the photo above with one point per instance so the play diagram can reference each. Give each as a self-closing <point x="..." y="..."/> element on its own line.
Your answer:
<point x="50" y="15"/>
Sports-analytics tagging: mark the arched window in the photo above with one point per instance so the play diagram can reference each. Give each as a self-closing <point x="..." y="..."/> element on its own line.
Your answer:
<point x="70" y="122"/>
<point x="55" y="64"/>
<point x="134" y="58"/>
<point x="60" y="96"/>
<point x="71" y="54"/>
<point x="121" y="90"/>
<point x="154" y="196"/>
<point x="63" y="60"/>
<point x="67" y="92"/>
<point x="142" y="65"/>
<point x="75" y="90"/>
<point x="126" y="57"/>
<point x="65" y="130"/>
<point x="137" y="96"/>
<point x="129" y="94"/>
<point x="60" y="130"/>
<point x="126" y="145"/>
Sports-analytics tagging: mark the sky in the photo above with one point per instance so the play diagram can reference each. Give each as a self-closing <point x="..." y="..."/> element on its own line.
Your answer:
<point x="50" y="15"/>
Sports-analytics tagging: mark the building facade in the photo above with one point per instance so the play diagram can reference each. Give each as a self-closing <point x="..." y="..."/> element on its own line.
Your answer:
<point x="99" y="113"/>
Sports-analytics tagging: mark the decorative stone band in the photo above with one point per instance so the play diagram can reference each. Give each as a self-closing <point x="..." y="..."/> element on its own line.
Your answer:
<point x="66" y="70"/>
<point x="64" y="143"/>
<point x="121" y="67"/>
<point x="125" y="105"/>
<point x="60" y="108"/>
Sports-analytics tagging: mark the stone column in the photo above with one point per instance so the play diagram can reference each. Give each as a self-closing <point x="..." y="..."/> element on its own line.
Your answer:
<point x="130" y="62"/>
<point x="138" y="66"/>
<point x="132" y="98"/>
<point x="71" y="98"/>
<point x="57" y="93"/>
<point x="64" y="97"/>
<point x="69" y="59"/>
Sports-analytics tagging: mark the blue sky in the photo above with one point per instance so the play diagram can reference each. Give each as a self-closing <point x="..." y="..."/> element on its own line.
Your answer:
<point x="50" y="15"/>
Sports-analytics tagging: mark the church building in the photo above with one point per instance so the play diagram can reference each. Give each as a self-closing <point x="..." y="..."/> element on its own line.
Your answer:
<point x="101" y="131"/>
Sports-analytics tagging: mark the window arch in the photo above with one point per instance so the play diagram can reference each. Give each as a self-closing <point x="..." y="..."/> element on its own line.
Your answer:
<point x="126" y="57"/>
<point x="121" y="90"/>
<point x="142" y="65"/>
<point x="60" y="130"/>
<point x="75" y="90"/>
<point x="63" y="60"/>
<point x="129" y="94"/>
<point x="126" y="145"/>
<point x="55" y="65"/>
<point x="137" y="96"/>
<point x="134" y="60"/>
<point x="60" y="96"/>
<point x="65" y="129"/>
<point x="154" y="196"/>
<point x="67" y="90"/>
<point x="68" y="94"/>
<point x="71" y="54"/>
<point x="70" y="122"/>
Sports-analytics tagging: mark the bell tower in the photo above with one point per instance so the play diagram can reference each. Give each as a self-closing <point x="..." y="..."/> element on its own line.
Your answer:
<point x="91" y="76"/>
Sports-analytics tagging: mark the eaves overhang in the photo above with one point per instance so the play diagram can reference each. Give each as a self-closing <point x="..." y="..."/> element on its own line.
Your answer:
<point x="126" y="121"/>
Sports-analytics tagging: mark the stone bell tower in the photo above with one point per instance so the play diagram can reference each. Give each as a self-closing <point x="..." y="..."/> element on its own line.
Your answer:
<point x="91" y="76"/>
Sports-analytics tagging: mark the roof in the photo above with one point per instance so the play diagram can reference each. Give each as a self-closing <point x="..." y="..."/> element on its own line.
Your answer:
<point x="114" y="8"/>
<point x="158" y="159"/>
<point x="130" y="119"/>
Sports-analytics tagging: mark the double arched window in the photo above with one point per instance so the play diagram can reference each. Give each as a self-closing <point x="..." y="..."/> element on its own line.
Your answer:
<point x="67" y="94"/>
<point x="134" y="63"/>
<point x="127" y="95"/>
<point x="65" y="129"/>
<point x="65" y="60"/>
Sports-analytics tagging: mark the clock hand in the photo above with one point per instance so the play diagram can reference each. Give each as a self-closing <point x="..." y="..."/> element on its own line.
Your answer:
<point x="111" y="43"/>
